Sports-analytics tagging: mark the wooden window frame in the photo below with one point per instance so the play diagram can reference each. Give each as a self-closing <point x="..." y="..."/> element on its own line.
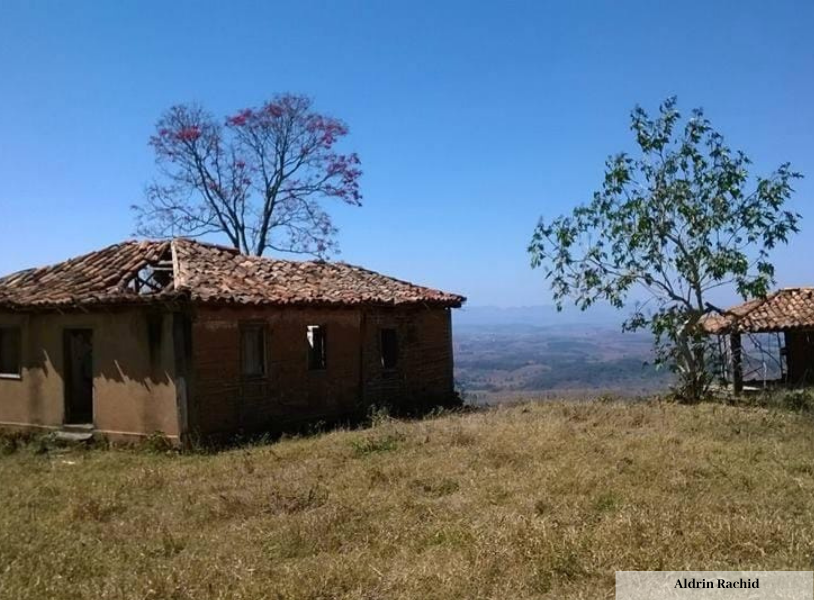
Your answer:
<point x="322" y="364"/>
<point x="18" y="375"/>
<point x="254" y="326"/>
<point x="382" y="358"/>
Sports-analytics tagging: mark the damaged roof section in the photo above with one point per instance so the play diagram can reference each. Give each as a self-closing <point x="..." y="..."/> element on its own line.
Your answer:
<point x="157" y="271"/>
<point x="783" y="310"/>
<point x="107" y="276"/>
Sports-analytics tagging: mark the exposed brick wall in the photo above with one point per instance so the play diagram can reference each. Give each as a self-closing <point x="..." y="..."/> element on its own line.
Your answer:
<point x="222" y="400"/>
<point x="423" y="372"/>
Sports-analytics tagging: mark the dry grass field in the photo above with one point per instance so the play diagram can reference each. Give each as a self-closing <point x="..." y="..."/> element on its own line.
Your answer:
<point x="533" y="501"/>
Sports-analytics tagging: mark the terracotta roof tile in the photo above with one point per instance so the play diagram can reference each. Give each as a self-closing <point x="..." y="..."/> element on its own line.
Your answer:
<point x="206" y="273"/>
<point x="788" y="308"/>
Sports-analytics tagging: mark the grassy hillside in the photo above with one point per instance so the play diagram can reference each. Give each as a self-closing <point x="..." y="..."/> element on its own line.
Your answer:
<point x="523" y="502"/>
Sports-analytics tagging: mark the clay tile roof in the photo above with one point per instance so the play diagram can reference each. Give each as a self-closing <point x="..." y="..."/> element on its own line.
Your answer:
<point x="788" y="308"/>
<point x="206" y="273"/>
<point x="97" y="278"/>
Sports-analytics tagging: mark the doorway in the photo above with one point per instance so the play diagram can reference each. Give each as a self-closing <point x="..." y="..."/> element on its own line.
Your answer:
<point x="78" y="376"/>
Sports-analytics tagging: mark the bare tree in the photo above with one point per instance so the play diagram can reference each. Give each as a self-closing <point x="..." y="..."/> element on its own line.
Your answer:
<point x="260" y="177"/>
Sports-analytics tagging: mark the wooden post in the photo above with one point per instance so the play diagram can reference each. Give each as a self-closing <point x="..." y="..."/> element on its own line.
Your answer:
<point x="737" y="362"/>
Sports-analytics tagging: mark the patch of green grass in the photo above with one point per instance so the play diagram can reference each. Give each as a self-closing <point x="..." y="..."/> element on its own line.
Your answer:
<point x="534" y="501"/>
<point x="607" y="501"/>
<point x="36" y="443"/>
<point x="795" y="400"/>
<point x="376" y="443"/>
<point x="437" y="487"/>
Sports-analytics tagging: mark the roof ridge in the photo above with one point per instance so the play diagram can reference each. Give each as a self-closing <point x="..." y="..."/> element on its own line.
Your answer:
<point x="378" y="274"/>
<point x="197" y="242"/>
<point x="759" y="302"/>
<point x="341" y="263"/>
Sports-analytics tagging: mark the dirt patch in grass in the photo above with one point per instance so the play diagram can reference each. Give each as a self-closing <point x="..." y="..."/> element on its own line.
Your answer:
<point x="533" y="501"/>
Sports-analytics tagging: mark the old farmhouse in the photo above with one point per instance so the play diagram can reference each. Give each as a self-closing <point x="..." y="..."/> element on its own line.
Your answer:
<point x="185" y="337"/>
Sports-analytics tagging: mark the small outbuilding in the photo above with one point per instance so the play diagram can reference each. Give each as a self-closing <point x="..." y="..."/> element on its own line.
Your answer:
<point x="785" y="320"/>
<point x="183" y="337"/>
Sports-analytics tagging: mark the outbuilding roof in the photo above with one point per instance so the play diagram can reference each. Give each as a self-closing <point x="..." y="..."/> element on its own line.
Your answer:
<point x="785" y="309"/>
<point x="136" y="272"/>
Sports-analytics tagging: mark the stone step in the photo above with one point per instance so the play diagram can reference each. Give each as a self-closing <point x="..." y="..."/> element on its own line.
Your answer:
<point x="73" y="436"/>
<point x="78" y="427"/>
<point x="75" y="433"/>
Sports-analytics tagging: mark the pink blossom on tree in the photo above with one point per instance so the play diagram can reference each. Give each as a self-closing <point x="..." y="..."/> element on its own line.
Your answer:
<point x="260" y="176"/>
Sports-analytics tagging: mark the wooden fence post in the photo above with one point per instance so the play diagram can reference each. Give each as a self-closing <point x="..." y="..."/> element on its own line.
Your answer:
<point x="737" y="362"/>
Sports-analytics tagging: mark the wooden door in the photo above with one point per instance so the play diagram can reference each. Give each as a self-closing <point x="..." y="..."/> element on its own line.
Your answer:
<point x="78" y="376"/>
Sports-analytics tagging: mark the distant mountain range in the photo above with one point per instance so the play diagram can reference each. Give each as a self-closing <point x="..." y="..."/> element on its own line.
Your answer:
<point x="528" y="351"/>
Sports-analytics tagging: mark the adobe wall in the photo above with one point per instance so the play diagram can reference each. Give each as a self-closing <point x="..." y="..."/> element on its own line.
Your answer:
<point x="133" y="388"/>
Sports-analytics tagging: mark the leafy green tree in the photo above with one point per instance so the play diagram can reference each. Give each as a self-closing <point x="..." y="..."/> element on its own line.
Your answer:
<point x="677" y="220"/>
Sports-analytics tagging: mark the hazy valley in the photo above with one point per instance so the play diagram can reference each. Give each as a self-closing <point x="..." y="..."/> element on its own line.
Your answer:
<point x="535" y="351"/>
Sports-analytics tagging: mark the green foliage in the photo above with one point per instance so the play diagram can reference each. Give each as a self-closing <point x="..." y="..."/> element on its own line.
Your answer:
<point x="678" y="220"/>
<point x="385" y="442"/>
<point x="11" y="443"/>
<point x="35" y="443"/>
<point x="795" y="400"/>
<point x="607" y="501"/>
<point x="158" y="443"/>
<point x="799" y="400"/>
<point x="437" y="487"/>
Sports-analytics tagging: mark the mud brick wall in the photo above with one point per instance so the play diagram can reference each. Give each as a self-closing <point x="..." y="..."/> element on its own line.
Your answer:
<point x="423" y="372"/>
<point x="221" y="399"/>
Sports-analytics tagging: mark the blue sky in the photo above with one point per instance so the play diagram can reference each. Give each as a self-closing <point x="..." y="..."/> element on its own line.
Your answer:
<point x="471" y="119"/>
